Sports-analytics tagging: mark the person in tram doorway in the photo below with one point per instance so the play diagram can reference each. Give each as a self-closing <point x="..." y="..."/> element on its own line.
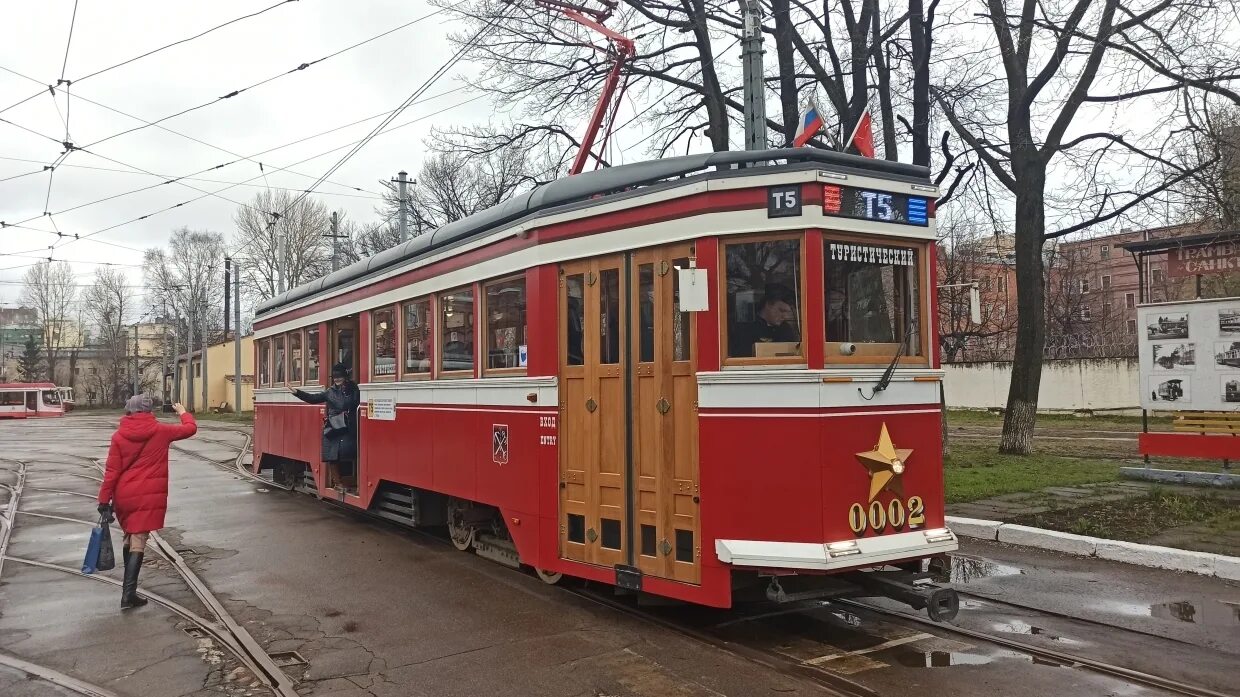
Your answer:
<point x="775" y="313"/>
<point x="135" y="482"/>
<point x="340" y="427"/>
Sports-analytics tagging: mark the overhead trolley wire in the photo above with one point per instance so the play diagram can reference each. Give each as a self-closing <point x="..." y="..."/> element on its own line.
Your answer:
<point x="90" y="235"/>
<point x="69" y="41"/>
<point x="157" y="50"/>
<point x="456" y="57"/>
<point x="260" y="83"/>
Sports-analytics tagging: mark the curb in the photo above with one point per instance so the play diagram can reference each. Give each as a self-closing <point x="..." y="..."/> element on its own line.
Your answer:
<point x="1203" y="563"/>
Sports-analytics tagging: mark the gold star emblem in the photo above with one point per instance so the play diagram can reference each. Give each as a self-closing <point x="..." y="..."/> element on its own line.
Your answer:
<point x="886" y="464"/>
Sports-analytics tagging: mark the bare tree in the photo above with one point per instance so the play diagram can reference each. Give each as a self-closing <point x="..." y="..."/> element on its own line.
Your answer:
<point x="1213" y="194"/>
<point x="1063" y="65"/>
<point x="109" y="306"/>
<point x="279" y="240"/>
<point x="965" y="256"/>
<point x="50" y="290"/>
<point x="189" y="276"/>
<point x="453" y="185"/>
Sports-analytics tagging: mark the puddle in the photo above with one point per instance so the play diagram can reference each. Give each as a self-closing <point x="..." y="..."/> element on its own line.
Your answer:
<point x="1019" y="627"/>
<point x="1209" y="613"/>
<point x="913" y="658"/>
<point x="959" y="568"/>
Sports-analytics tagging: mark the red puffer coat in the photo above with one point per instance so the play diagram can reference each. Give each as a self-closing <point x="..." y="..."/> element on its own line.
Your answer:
<point x="136" y="480"/>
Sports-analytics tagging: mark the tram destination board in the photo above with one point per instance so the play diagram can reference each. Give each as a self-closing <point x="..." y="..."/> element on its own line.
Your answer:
<point x="851" y="202"/>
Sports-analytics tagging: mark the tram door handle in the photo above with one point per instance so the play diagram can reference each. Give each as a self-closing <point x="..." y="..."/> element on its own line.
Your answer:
<point x="663" y="406"/>
<point x="591" y="405"/>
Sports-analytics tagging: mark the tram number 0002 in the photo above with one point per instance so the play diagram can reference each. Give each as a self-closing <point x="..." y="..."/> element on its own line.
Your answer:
<point x="896" y="514"/>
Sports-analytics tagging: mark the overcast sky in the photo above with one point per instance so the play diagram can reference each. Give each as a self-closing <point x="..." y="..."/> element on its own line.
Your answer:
<point x="361" y="83"/>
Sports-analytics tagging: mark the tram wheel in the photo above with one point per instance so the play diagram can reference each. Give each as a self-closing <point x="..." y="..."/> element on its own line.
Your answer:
<point x="459" y="531"/>
<point x="549" y="577"/>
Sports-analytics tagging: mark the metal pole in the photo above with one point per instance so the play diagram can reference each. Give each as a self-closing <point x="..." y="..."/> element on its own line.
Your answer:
<point x="206" y="380"/>
<point x="755" y="89"/>
<point x="135" y="356"/>
<point x="335" y="241"/>
<point x="176" y="359"/>
<point x="402" y="181"/>
<point x="280" y="254"/>
<point x="237" y="336"/>
<point x="227" y="287"/>
<point x="189" y="361"/>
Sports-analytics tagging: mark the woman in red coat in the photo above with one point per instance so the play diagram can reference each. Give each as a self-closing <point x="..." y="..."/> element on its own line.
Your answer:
<point x="135" y="484"/>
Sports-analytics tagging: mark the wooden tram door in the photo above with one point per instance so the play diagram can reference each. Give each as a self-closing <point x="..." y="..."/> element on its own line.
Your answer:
<point x="628" y="416"/>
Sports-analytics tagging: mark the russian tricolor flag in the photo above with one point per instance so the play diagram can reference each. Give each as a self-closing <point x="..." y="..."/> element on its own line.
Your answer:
<point x="810" y="124"/>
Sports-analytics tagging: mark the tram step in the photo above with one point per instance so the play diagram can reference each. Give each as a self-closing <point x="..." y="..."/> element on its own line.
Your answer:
<point x="497" y="550"/>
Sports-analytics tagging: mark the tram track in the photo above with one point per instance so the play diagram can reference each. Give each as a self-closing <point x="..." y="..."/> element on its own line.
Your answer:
<point x="825" y="678"/>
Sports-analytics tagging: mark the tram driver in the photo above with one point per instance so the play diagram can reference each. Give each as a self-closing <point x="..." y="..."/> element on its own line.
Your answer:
<point x="773" y="323"/>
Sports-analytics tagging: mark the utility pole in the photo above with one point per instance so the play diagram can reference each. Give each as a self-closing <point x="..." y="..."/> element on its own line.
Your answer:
<point x="751" y="59"/>
<point x="135" y="356"/>
<point x="335" y="238"/>
<point x="402" y="180"/>
<point x="189" y="360"/>
<point x="227" y="288"/>
<point x="281" y="253"/>
<point x="206" y="381"/>
<point x="237" y="336"/>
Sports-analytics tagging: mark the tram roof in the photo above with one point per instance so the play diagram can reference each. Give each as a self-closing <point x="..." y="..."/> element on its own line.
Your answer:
<point x="595" y="188"/>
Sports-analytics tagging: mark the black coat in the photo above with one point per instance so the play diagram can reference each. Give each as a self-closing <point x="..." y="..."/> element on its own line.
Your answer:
<point x="338" y="446"/>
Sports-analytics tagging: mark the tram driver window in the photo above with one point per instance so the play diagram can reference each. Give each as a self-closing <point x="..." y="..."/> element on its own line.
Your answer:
<point x="873" y="301"/>
<point x="506" y="326"/>
<point x="457" y="330"/>
<point x="764" y="303"/>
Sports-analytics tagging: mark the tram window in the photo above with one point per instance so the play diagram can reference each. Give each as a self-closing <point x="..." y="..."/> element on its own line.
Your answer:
<point x="645" y="315"/>
<point x="51" y="397"/>
<point x="11" y="399"/>
<point x="264" y="363"/>
<point x="278" y="359"/>
<point x="873" y="300"/>
<point x="574" y="318"/>
<point x="312" y="357"/>
<point x="611" y="534"/>
<point x="680" y="320"/>
<point x="457" y="330"/>
<point x="576" y="528"/>
<point x="418" y="337"/>
<point x="764" y="298"/>
<point x="384" y="343"/>
<point x="295" y="358"/>
<point x="684" y="545"/>
<point x="609" y="309"/>
<point x="648" y="540"/>
<point x="506" y="324"/>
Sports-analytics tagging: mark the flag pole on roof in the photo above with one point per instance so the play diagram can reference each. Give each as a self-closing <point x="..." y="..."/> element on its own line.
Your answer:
<point x="862" y="137"/>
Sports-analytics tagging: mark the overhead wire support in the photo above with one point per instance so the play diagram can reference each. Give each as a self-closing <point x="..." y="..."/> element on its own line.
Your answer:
<point x="157" y="50"/>
<point x="260" y="83"/>
<point x="69" y="41"/>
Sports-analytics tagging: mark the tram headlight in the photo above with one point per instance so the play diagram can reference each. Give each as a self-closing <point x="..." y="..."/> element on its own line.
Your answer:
<point x="939" y="535"/>
<point x="842" y="549"/>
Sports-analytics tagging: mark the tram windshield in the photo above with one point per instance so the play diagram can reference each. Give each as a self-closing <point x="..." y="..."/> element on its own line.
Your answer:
<point x="873" y="299"/>
<point x="51" y="398"/>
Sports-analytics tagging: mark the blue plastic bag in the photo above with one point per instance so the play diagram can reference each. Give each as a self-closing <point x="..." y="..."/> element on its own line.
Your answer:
<point x="91" y="561"/>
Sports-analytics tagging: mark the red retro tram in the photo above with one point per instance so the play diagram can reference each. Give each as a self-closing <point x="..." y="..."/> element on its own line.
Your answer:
<point x="30" y="400"/>
<point x="683" y="377"/>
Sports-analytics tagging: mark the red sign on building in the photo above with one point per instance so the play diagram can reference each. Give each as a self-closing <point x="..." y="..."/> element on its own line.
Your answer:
<point x="1223" y="257"/>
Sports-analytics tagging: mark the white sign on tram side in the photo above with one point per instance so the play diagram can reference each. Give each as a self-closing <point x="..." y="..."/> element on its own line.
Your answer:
<point x="693" y="295"/>
<point x="381" y="408"/>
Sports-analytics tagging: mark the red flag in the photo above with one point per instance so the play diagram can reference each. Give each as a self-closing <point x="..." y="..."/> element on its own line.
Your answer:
<point x="863" y="135"/>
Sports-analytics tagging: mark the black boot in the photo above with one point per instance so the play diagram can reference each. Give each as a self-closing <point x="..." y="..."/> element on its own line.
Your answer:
<point x="125" y="555"/>
<point x="129" y="589"/>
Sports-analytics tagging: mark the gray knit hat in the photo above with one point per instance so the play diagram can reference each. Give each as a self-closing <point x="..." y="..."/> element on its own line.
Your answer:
<point x="138" y="403"/>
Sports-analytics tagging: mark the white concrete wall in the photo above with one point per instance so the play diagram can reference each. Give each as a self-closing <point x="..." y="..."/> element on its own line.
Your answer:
<point x="1067" y="385"/>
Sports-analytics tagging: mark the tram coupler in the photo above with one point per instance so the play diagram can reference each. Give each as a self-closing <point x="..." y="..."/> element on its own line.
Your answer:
<point x="912" y="589"/>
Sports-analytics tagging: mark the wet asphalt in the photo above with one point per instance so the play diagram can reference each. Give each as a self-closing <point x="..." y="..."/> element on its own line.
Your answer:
<point x="352" y="606"/>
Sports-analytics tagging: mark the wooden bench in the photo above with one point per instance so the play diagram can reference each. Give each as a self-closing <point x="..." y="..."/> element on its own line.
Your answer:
<point x="1198" y="434"/>
<point x="1207" y="422"/>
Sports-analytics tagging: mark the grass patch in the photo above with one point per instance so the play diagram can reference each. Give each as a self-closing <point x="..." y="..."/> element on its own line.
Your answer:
<point x="1141" y="518"/>
<point x="973" y="417"/>
<point x="974" y="472"/>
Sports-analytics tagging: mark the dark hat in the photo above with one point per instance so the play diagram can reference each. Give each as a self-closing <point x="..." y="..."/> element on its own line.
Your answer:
<point x="340" y="370"/>
<point x="777" y="292"/>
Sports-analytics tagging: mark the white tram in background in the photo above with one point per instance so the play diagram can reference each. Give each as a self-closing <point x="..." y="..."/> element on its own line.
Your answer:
<point x="30" y="400"/>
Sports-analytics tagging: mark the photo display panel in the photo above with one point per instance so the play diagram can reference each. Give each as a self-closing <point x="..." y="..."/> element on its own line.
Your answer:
<point x="1190" y="355"/>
